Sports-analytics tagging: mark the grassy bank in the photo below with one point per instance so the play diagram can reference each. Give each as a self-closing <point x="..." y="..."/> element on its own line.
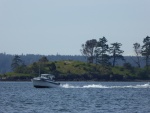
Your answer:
<point x="78" y="71"/>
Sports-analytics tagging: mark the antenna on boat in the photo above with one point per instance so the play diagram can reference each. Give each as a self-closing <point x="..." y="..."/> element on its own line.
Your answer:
<point x="39" y="70"/>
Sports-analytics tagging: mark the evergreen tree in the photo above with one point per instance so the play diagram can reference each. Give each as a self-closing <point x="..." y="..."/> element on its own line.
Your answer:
<point x="116" y="52"/>
<point x="101" y="52"/>
<point x="16" y="62"/>
<point x="146" y="50"/>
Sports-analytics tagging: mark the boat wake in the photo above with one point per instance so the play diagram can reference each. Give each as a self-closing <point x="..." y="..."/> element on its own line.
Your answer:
<point x="147" y="85"/>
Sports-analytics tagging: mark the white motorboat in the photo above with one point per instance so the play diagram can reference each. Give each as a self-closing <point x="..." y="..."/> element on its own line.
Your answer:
<point x="45" y="81"/>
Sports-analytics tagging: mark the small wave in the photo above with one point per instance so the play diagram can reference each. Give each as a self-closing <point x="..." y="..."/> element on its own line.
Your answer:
<point x="147" y="85"/>
<point x="85" y="86"/>
<point x="69" y="86"/>
<point x="143" y="86"/>
<point x="95" y="86"/>
<point x="132" y="86"/>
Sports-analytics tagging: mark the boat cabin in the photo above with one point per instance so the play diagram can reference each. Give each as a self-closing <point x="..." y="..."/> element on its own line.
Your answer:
<point x="47" y="76"/>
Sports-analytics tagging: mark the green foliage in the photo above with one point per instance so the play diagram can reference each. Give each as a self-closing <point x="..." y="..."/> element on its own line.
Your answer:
<point x="76" y="70"/>
<point x="52" y="67"/>
<point x="73" y="67"/>
<point x="88" y="49"/>
<point x="16" y="62"/>
<point x="144" y="74"/>
<point x="118" y="70"/>
<point x="101" y="52"/>
<point x="146" y="50"/>
<point x="116" y="52"/>
<point x="34" y="68"/>
<point x="18" y="76"/>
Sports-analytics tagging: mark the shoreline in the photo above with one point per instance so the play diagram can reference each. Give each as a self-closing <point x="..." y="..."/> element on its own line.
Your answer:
<point x="80" y="81"/>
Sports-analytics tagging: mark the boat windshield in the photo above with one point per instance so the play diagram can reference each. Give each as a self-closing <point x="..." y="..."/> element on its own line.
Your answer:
<point x="47" y="76"/>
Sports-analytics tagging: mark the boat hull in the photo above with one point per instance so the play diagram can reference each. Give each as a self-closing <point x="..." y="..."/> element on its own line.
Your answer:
<point x="45" y="84"/>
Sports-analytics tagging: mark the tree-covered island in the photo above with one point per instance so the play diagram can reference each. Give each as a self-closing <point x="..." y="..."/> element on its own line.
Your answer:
<point x="100" y="64"/>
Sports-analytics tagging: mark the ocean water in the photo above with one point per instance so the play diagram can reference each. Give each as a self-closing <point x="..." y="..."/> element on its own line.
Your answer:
<point x="76" y="97"/>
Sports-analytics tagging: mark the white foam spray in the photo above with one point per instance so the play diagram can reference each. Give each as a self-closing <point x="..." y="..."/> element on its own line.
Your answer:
<point x="147" y="85"/>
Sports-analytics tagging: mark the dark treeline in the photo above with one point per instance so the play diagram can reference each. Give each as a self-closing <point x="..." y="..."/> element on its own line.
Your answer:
<point x="94" y="52"/>
<point x="6" y="60"/>
<point x="99" y="52"/>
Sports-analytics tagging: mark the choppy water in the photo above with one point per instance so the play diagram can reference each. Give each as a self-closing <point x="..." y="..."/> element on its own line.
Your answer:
<point x="76" y="97"/>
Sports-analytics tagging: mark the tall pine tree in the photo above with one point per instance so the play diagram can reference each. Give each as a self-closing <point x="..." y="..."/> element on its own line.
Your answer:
<point x="146" y="50"/>
<point x="116" y="52"/>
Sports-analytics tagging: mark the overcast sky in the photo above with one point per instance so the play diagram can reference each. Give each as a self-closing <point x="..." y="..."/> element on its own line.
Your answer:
<point x="61" y="26"/>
